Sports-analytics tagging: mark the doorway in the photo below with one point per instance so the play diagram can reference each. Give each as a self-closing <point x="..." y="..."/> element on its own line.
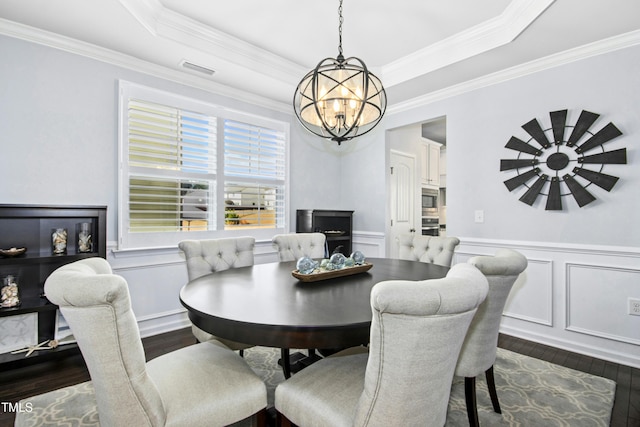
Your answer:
<point x="402" y="198"/>
<point x="426" y="143"/>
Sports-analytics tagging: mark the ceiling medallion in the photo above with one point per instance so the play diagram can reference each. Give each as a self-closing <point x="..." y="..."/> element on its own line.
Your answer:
<point x="561" y="167"/>
<point x="340" y="99"/>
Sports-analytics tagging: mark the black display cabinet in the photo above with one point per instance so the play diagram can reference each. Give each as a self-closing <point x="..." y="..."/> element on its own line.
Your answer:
<point x="39" y="230"/>
<point x="335" y="225"/>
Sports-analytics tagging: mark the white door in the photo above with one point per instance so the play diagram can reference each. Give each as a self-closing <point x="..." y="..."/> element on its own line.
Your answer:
<point x="402" y="197"/>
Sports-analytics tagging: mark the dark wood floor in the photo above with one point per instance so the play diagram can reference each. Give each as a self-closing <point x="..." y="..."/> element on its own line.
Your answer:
<point x="18" y="383"/>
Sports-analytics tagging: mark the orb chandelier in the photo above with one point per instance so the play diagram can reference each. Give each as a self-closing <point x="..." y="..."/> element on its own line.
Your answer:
<point x="340" y="99"/>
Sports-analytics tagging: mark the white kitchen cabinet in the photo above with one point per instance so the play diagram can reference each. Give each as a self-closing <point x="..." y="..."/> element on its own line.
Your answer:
<point x="443" y="166"/>
<point x="430" y="167"/>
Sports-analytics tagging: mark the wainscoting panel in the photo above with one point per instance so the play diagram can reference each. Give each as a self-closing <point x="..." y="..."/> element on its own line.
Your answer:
<point x="531" y="297"/>
<point x="606" y="315"/>
<point x="155" y="291"/>
<point x="573" y="297"/>
<point x="570" y="297"/>
<point x="372" y="245"/>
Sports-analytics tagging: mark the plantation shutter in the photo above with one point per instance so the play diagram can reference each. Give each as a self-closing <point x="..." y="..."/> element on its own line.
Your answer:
<point x="172" y="167"/>
<point x="254" y="170"/>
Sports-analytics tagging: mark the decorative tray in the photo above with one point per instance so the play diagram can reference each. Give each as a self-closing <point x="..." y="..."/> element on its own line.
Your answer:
<point x="324" y="275"/>
<point x="12" y="251"/>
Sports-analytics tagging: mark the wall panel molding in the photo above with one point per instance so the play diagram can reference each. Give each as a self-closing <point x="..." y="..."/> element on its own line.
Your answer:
<point x="605" y="316"/>
<point x="575" y="296"/>
<point x="159" y="323"/>
<point x="531" y="298"/>
<point x="371" y="244"/>
<point x="618" y="251"/>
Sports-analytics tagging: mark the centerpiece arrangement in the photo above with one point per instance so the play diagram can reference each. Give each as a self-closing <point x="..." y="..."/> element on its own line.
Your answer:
<point x="309" y="270"/>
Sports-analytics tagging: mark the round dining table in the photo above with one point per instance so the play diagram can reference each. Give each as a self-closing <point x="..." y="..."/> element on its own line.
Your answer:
<point x="266" y="305"/>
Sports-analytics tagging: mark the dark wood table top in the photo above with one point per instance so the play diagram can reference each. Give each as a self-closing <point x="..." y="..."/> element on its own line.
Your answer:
<point x="265" y="305"/>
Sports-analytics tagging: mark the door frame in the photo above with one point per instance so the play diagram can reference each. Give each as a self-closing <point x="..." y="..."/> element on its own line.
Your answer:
<point x="390" y="241"/>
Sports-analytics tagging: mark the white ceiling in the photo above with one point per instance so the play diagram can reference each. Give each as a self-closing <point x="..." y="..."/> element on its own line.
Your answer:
<point x="265" y="47"/>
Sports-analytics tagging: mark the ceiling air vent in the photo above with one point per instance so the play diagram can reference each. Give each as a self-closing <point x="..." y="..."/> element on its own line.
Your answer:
<point x="198" y="68"/>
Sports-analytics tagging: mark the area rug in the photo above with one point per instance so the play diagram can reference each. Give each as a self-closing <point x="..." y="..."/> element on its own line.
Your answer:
<point x="532" y="393"/>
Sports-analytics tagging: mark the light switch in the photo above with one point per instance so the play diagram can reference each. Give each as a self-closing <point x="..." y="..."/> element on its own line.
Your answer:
<point x="479" y="217"/>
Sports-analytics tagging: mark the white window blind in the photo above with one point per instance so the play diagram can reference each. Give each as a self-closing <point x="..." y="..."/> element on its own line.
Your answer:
<point x="254" y="170"/>
<point x="172" y="163"/>
<point x="193" y="170"/>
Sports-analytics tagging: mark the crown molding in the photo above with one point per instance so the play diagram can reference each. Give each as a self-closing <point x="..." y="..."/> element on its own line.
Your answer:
<point x="146" y="12"/>
<point x="164" y="22"/>
<point x="488" y="35"/>
<point x="35" y="35"/>
<point x="587" y="51"/>
<point x="67" y="44"/>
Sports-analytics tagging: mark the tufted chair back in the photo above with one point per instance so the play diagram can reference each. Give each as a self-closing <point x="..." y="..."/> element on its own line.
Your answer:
<point x="199" y="385"/>
<point x="429" y="249"/>
<point x="404" y="313"/>
<point x="479" y="349"/>
<point x="96" y="305"/>
<point x="292" y="247"/>
<point x="208" y="256"/>
<point x="417" y="330"/>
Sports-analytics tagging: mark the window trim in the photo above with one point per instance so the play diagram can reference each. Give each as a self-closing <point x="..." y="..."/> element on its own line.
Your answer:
<point x="127" y="240"/>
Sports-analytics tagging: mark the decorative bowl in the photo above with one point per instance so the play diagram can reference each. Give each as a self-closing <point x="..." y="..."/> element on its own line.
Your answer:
<point x="12" y="251"/>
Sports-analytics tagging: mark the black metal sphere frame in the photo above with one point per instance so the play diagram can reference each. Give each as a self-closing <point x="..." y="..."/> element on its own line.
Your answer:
<point x="340" y="130"/>
<point x="324" y="68"/>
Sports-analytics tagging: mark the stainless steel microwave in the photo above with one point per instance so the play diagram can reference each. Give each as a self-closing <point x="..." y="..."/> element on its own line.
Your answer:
<point x="429" y="202"/>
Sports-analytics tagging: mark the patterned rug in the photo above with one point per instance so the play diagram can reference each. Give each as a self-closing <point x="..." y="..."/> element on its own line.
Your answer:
<point x="532" y="393"/>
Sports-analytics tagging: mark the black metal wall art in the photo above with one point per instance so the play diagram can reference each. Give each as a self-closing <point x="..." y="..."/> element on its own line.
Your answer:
<point x="550" y="165"/>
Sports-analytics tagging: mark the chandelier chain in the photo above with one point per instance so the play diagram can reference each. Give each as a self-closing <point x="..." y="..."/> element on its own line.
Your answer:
<point x="340" y="21"/>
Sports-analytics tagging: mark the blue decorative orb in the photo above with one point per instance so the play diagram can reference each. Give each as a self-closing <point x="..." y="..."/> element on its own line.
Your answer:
<point x="358" y="257"/>
<point x="306" y="265"/>
<point x="349" y="262"/>
<point x="337" y="260"/>
<point x="330" y="266"/>
<point x="324" y="263"/>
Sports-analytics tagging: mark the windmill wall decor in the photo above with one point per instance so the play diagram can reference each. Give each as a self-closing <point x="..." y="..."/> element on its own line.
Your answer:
<point x="561" y="167"/>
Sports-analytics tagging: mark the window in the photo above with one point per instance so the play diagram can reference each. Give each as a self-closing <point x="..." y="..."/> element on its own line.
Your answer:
<point x="195" y="170"/>
<point x="254" y="170"/>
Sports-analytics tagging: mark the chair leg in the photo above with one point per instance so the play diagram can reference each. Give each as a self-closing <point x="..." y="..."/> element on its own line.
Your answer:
<point x="491" y="384"/>
<point x="470" y="398"/>
<point x="286" y="362"/>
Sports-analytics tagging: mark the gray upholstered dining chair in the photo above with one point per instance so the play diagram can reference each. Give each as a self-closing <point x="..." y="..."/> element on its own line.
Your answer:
<point x="430" y="249"/>
<point x="292" y="247"/>
<point x="203" y="384"/>
<point x="417" y="331"/>
<point x="478" y="352"/>
<point x="208" y="256"/>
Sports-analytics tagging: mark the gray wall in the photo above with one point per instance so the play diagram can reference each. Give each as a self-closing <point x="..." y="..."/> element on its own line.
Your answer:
<point x="480" y="123"/>
<point x="584" y="263"/>
<point x="58" y="115"/>
<point x="59" y="121"/>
